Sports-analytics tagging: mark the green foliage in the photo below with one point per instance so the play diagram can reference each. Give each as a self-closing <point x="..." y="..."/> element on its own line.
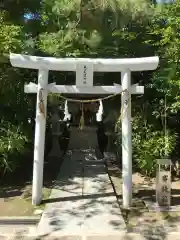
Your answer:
<point x="12" y="145"/>
<point x="97" y="28"/>
<point x="147" y="151"/>
<point x="15" y="108"/>
<point x="150" y="145"/>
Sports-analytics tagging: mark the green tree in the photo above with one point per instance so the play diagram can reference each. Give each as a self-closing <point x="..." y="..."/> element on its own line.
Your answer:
<point x="93" y="29"/>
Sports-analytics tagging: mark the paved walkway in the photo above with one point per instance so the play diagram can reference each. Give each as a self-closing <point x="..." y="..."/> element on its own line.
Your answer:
<point x="82" y="202"/>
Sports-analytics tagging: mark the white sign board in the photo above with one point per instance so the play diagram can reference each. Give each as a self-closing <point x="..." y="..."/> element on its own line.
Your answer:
<point x="84" y="74"/>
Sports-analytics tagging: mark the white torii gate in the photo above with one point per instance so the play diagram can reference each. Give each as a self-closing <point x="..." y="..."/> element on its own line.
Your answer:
<point x="84" y="68"/>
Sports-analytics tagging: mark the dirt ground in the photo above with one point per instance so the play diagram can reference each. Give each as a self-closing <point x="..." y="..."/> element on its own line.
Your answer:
<point x="17" y="202"/>
<point x="16" y="190"/>
<point x="140" y="217"/>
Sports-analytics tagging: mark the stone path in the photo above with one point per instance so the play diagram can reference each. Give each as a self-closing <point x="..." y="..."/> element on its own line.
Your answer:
<point x="82" y="202"/>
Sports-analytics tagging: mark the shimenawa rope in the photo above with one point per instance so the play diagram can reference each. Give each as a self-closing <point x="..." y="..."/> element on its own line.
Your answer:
<point x="81" y="123"/>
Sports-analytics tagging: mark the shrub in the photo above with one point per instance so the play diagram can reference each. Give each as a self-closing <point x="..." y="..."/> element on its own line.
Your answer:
<point x="148" y="150"/>
<point x="12" y="145"/>
<point x="148" y="145"/>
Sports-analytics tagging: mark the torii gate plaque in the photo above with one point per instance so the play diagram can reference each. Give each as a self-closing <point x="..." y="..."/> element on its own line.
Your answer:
<point x="84" y="68"/>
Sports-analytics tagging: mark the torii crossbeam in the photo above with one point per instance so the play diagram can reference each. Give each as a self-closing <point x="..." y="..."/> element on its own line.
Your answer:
<point x="84" y="68"/>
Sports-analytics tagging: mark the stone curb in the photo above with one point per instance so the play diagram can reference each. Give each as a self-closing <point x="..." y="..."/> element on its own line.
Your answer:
<point x="120" y="236"/>
<point x="131" y="236"/>
<point x="28" y="220"/>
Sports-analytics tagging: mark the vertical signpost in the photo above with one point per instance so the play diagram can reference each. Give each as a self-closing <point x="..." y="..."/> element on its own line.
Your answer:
<point x="163" y="183"/>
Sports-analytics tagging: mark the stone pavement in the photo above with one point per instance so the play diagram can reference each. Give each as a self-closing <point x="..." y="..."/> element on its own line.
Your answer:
<point x="82" y="202"/>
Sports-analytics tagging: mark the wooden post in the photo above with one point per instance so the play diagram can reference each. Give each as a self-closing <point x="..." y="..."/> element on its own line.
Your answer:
<point x="39" y="141"/>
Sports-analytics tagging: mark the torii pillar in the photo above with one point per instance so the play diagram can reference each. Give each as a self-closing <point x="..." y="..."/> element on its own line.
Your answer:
<point x="126" y="138"/>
